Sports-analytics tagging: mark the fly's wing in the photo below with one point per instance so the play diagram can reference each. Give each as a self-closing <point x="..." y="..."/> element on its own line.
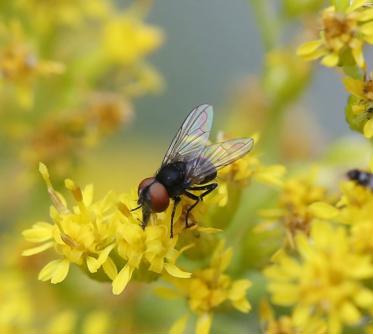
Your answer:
<point x="216" y="156"/>
<point x="192" y="136"/>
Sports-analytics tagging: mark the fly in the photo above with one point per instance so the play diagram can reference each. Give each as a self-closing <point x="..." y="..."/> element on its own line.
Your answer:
<point x="190" y="165"/>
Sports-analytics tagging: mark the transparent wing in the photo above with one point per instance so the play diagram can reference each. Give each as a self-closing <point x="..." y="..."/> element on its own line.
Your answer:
<point x="192" y="136"/>
<point x="216" y="156"/>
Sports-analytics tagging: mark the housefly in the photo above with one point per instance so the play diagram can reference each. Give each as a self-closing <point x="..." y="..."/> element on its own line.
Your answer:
<point x="189" y="166"/>
<point x="364" y="179"/>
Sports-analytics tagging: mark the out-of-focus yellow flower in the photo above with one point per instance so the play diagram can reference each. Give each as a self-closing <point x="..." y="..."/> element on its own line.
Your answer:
<point x="61" y="137"/>
<point x="285" y="76"/>
<point x="294" y="211"/>
<point x="63" y="322"/>
<point x="241" y="172"/>
<point x="83" y="235"/>
<point x="209" y="288"/>
<point x="16" y="309"/>
<point x="343" y="32"/>
<point x="19" y="64"/>
<point x="360" y="105"/>
<point x="320" y="283"/>
<point x="127" y="39"/>
<point x="356" y="210"/>
<point x="97" y="322"/>
<point x="47" y="14"/>
<point x="288" y="324"/>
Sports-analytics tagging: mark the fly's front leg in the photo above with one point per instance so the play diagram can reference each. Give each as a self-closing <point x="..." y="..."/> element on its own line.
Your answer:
<point x="208" y="187"/>
<point x="176" y="202"/>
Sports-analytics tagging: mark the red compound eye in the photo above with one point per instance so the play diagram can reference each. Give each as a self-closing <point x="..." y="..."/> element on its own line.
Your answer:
<point x="144" y="183"/>
<point x="159" y="199"/>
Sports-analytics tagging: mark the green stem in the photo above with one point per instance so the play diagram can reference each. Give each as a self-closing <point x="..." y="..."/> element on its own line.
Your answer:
<point x="266" y="22"/>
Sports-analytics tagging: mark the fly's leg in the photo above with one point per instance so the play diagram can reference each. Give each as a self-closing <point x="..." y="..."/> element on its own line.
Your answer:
<point x="176" y="202"/>
<point x="145" y="217"/>
<point x="208" y="187"/>
<point x="134" y="209"/>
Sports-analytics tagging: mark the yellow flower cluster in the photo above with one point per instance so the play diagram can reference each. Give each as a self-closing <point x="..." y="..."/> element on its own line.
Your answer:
<point x="20" y="65"/>
<point x="105" y="239"/>
<point x="18" y="311"/>
<point x="294" y="212"/>
<point x="288" y="324"/>
<point x="360" y="105"/>
<point x="344" y="32"/>
<point x="208" y="289"/>
<point x="87" y="234"/>
<point x="325" y="277"/>
<point x="62" y="137"/>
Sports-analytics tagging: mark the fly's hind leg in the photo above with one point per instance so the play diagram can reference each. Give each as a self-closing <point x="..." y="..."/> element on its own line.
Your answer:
<point x="208" y="187"/>
<point x="176" y="202"/>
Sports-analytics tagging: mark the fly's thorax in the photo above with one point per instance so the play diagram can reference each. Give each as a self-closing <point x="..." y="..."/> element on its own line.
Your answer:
<point x="172" y="176"/>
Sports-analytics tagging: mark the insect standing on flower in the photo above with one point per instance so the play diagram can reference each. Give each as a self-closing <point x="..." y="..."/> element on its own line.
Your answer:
<point x="362" y="178"/>
<point x="189" y="166"/>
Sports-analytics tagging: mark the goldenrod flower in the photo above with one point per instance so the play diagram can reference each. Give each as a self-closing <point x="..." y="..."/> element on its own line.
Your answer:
<point x="243" y="171"/>
<point x="47" y="14"/>
<point x="16" y="308"/>
<point x="83" y="235"/>
<point x="127" y="39"/>
<point x="286" y="324"/>
<point x="294" y="210"/>
<point x="360" y="105"/>
<point x="343" y="32"/>
<point x="208" y="289"/>
<point x="87" y="234"/>
<point x="151" y="247"/>
<point x="326" y="280"/>
<point x="19" y="64"/>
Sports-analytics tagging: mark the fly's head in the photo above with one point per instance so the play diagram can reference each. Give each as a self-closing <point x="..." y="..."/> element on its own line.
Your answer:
<point x="153" y="197"/>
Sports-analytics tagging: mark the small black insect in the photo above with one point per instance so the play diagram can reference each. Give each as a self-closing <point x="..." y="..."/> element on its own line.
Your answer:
<point x="362" y="178"/>
<point x="189" y="165"/>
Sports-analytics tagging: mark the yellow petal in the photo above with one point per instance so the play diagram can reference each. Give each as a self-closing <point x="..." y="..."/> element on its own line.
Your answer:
<point x="61" y="271"/>
<point x="88" y="195"/>
<point x="110" y="268"/>
<point x="121" y="280"/>
<point x="308" y="48"/>
<point x="38" y="249"/>
<point x="368" y="129"/>
<point x="367" y="29"/>
<point x="104" y="254"/>
<point x="355" y="87"/>
<point x="92" y="264"/>
<point x="357" y="52"/>
<point x="364" y="298"/>
<point x="366" y="15"/>
<point x="56" y="271"/>
<point x="47" y="271"/>
<point x="175" y="271"/>
<point x="39" y="232"/>
<point x="179" y="325"/>
<point x="330" y="60"/>
<point x="204" y="324"/>
<point x="242" y="305"/>
<point x="238" y="289"/>
<point x="323" y="210"/>
<point x="350" y="313"/>
<point x="355" y="4"/>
